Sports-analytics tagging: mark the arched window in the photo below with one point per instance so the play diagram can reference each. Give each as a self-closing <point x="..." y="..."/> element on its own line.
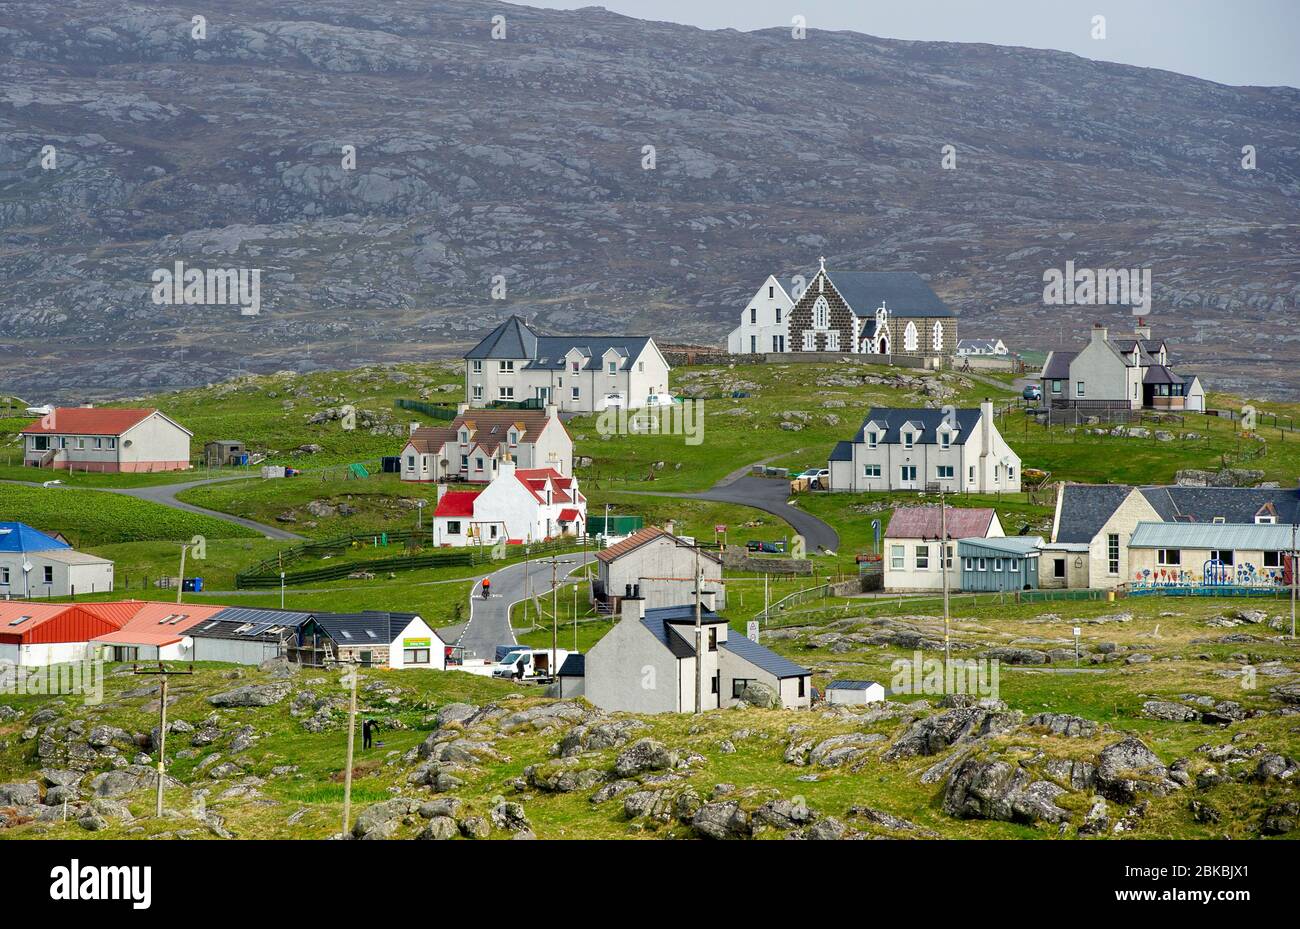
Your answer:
<point x="938" y="337"/>
<point x="821" y="313"/>
<point x="911" y="340"/>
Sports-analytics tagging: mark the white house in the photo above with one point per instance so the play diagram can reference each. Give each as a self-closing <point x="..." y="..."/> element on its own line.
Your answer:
<point x="660" y="567"/>
<point x="908" y="449"/>
<point x="647" y="664"/>
<point x="106" y="440"/>
<point x="764" y="323"/>
<point x="473" y="445"/>
<point x="912" y="544"/>
<point x="577" y="374"/>
<point x="32" y="564"/>
<point x="1126" y="372"/>
<point x="382" y="639"/>
<point x="518" y="505"/>
<point x="854" y="693"/>
<point x="981" y="347"/>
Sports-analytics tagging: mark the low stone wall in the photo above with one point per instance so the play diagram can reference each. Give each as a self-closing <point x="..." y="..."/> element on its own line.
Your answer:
<point x="740" y="561"/>
<point x="679" y="357"/>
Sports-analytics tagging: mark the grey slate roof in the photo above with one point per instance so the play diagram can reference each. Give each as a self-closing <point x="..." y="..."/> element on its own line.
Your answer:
<point x="1058" y="365"/>
<point x="1085" y="509"/>
<point x="762" y="657"/>
<point x="574" y="665"/>
<point x="368" y="627"/>
<point x="904" y="293"/>
<point x="515" y="339"/>
<point x="850" y="685"/>
<point x="929" y="420"/>
<point x="1159" y="374"/>
<point x="843" y="451"/>
<point x="659" y="619"/>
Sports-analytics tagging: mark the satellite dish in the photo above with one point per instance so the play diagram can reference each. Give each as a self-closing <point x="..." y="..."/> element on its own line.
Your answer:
<point x="186" y="642"/>
<point x="27" y="567"/>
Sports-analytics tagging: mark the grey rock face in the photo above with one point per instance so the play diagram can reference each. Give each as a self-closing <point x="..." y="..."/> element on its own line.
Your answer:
<point x="642" y="756"/>
<point x="990" y="789"/>
<point x="253" y="695"/>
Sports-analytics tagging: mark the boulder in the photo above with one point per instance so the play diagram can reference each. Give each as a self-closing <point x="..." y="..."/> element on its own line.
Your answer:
<point x="562" y="775"/>
<point x="1280" y="818"/>
<point x="1063" y="724"/>
<point x="439" y="828"/>
<point x="721" y="820"/>
<point x="642" y="756"/>
<point x="758" y="694"/>
<point x="1128" y="768"/>
<point x="597" y="736"/>
<point x="121" y="782"/>
<point x="1275" y="767"/>
<point x="995" y="789"/>
<point x="382" y="818"/>
<point x="253" y="695"/>
<point x="509" y="816"/>
<point x="23" y="793"/>
<point x="784" y="814"/>
<point x="1169" y="711"/>
<point x="933" y="734"/>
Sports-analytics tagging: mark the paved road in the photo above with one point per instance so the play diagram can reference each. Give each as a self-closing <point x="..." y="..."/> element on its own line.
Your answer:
<point x="489" y="620"/>
<point x="771" y="495"/>
<point x="165" y="494"/>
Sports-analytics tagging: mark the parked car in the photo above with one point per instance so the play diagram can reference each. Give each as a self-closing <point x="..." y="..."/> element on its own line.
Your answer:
<point x="660" y="399"/>
<point x="767" y="548"/>
<point x="1032" y="392"/>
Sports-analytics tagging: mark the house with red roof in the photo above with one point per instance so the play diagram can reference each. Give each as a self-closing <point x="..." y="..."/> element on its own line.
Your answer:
<point x="912" y="544"/>
<point x="39" y="634"/>
<point x="474" y="444"/>
<point x="106" y="440"/>
<point x="154" y="631"/>
<point x="518" y="505"/>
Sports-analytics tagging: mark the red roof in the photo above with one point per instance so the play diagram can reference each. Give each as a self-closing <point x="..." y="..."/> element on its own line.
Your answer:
<point x="65" y="622"/>
<point x="923" y="522"/>
<point x="156" y="623"/>
<point x="568" y="515"/>
<point x="456" y="503"/>
<point x="76" y="420"/>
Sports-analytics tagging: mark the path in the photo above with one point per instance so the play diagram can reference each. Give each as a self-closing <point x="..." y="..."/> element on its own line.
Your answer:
<point x="165" y="495"/>
<point x="489" y="620"/>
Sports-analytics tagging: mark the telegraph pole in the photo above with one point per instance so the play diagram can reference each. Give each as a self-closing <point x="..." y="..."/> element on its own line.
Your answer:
<point x="354" y="673"/>
<point x="163" y="673"/>
<point x="1295" y="569"/>
<point x="943" y="562"/>
<point x="180" y="584"/>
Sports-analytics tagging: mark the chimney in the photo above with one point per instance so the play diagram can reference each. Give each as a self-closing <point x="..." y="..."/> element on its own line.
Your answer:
<point x="462" y="408"/>
<point x="1099" y="332"/>
<point x="442" y="489"/>
<point x="552" y="411"/>
<point x="986" y="425"/>
<point x="1143" y="329"/>
<point x="669" y="527"/>
<point x="632" y="607"/>
<point x="414" y="426"/>
<point x="87" y="405"/>
<point x="506" y="468"/>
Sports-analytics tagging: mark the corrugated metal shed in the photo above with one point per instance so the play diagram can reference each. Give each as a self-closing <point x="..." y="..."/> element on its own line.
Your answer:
<point x="1016" y="546"/>
<point x="1235" y="536"/>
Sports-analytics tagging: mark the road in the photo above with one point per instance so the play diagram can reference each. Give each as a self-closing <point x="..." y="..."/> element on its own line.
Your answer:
<point x="489" y="620"/>
<point x="165" y="494"/>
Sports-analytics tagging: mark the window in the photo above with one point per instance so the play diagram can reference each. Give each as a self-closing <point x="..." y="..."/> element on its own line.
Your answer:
<point x="1222" y="555"/>
<point x="1015" y="565"/>
<point x="907" y="474"/>
<point x="99" y="443"/>
<point x="983" y="564"/>
<point x="415" y="656"/>
<point x="1112" y="553"/>
<point x="944" y="471"/>
<point x="575" y="367"/>
<point x="476" y="366"/>
<point x="464" y="462"/>
<point x="968" y="564"/>
<point x="4" y="577"/>
<point x="1058" y="568"/>
<point x="506" y="366"/>
<point x="833" y="341"/>
<point x="809" y="341"/>
<point x="1169" y="556"/>
<point x="897" y="557"/>
<point x="771" y="291"/>
<point x="40" y="443"/>
<point x="492" y="531"/>
<point x="950" y="549"/>
<point x="410" y="462"/>
<point x="778" y="314"/>
<point x="738" y="685"/>
<point x="1271" y="560"/>
<point x="777" y="345"/>
<point x="945" y="439"/>
<point x="424" y="463"/>
<point x="453" y="527"/>
<point x="1265" y="520"/>
<point x="936" y="341"/>
<point x="613" y="368"/>
<point x="576" y="393"/>
<point x="506" y="393"/>
<point x="49" y="574"/>
<point x="971" y="474"/>
<point x="821" y="313"/>
<point x="753" y="344"/>
<point x="514" y="437"/>
<point x="477" y="392"/>
<point x="640" y="366"/>
<point x="911" y="339"/>
<point x="478" y="463"/>
<point x="112" y="442"/>
<point x="1056" y="386"/>
<point x="81" y="444"/>
<point x="803" y="684"/>
<point x="716" y="684"/>
<point x="1078" y="389"/>
<point x="873" y="439"/>
<point x="923" y="558"/>
<point x="753" y="314"/>
<point x="1011" y="473"/>
<point x="713" y="638"/>
<point x="909" y="439"/>
<point x="997" y="564"/>
<point x="871" y="470"/>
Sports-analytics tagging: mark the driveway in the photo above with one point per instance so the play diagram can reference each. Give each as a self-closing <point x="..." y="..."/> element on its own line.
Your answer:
<point x="165" y="494"/>
<point x="489" y="620"/>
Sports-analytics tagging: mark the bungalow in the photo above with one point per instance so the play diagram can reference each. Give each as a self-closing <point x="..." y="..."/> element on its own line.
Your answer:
<point x="647" y="664"/>
<point x="1099" y="520"/>
<point x="519" y="505"/>
<point x="1006" y="563"/>
<point x="515" y="364"/>
<point x="912" y="544"/>
<point x="155" y="632"/>
<point x="967" y="347"/>
<point x="476" y="442"/>
<point x="252" y="635"/>
<point x="909" y="449"/>
<point x="385" y="640"/>
<point x="1211" y="554"/>
<point x="660" y="567"/>
<point x="106" y="440"/>
<point x="33" y="564"/>
<point x="39" y="634"/>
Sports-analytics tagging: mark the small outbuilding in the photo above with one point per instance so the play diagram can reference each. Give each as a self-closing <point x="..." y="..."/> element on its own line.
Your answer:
<point x="854" y="693"/>
<point x="573" y="676"/>
<point x="1009" y="563"/>
<point x="225" y="452"/>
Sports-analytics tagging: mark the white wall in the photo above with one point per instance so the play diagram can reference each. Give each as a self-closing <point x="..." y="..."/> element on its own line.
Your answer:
<point x="417" y="628"/>
<point x="768" y="302"/>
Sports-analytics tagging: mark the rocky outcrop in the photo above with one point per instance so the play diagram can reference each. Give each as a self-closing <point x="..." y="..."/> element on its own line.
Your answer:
<point x="253" y="695"/>
<point x="999" y="790"/>
<point x="1128" y="768"/>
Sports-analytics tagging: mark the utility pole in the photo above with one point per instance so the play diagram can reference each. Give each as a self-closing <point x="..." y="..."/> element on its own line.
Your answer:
<point x="354" y="672"/>
<point x="699" y="638"/>
<point x="180" y="584"/>
<point x="163" y="673"/>
<point x="555" y="612"/>
<point x="1295" y="569"/>
<point x="943" y="562"/>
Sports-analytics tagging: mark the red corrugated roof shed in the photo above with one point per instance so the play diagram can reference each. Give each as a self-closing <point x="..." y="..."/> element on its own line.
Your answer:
<point x="456" y="503"/>
<point x="923" y="522"/>
<point x="157" y="623"/>
<point x="69" y="623"/>
<point x="88" y="421"/>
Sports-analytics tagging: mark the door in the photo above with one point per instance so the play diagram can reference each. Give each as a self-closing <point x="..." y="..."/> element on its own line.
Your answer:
<point x="907" y="477"/>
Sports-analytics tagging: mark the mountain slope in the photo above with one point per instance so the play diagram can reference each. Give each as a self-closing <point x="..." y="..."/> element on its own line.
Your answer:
<point x="521" y="159"/>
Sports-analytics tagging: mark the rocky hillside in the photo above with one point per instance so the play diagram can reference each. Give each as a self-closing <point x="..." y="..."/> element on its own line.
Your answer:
<point x="523" y="158"/>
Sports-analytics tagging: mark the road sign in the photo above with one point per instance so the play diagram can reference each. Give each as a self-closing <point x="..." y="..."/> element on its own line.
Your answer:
<point x="751" y="630"/>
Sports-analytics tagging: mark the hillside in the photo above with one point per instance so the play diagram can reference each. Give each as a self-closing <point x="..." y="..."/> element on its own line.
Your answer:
<point x="520" y="160"/>
<point x="1159" y="735"/>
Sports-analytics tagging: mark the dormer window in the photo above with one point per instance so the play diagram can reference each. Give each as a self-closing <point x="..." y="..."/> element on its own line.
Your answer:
<point x="873" y="439"/>
<point x="464" y="436"/>
<point x="514" y="437"/>
<point x="613" y="368"/>
<point x="1265" y="520"/>
<point x="909" y="439"/>
<point x="945" y="439"/>
<point x="574" y="367"/>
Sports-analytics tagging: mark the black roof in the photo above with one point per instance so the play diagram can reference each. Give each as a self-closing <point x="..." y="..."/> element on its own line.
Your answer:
<point x="761" y="657"/>
<point x="515" y="339"/>
<point x="1058" y="365"/>
<point x="904" y="293"/>
<point x="574" y="665"/>
<point x="369" y="626"/>
<point x="1085" y="509"/>
<point x="929" y="421"/>
<point x="843" y="451"/>
<point x="238" y="622"/>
